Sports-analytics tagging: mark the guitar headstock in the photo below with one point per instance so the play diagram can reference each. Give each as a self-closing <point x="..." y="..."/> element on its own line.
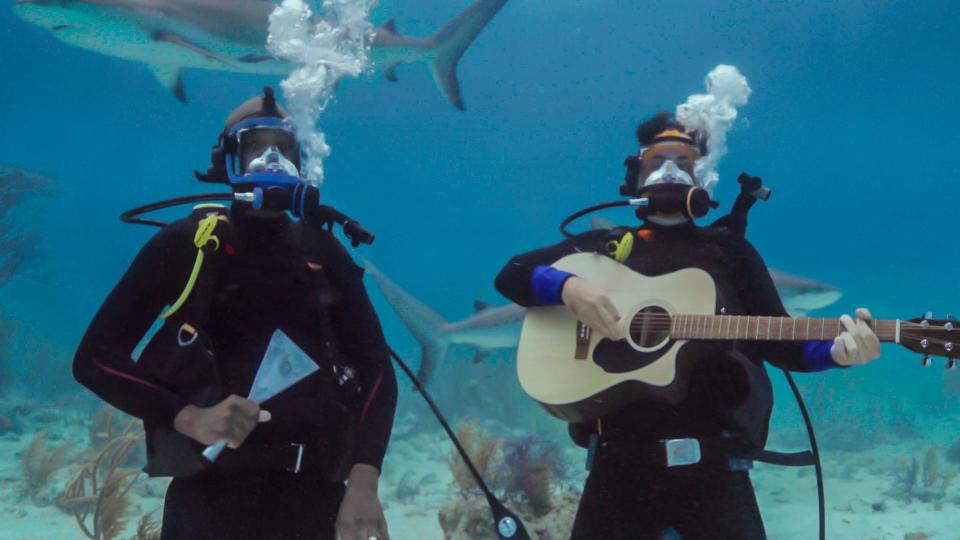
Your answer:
<point x="932" y="337"/>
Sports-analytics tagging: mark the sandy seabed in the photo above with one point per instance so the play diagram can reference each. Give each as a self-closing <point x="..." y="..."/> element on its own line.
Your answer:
<point x="862" y="502"/>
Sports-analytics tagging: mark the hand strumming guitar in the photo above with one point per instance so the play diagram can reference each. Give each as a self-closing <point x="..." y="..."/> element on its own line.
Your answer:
<point x="592" y="307"/>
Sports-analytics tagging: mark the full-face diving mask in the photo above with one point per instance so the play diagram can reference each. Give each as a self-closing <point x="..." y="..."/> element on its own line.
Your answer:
<point x="670" y="187"/>
<point x="669" y="173"/>
<point x="265" y="152"/>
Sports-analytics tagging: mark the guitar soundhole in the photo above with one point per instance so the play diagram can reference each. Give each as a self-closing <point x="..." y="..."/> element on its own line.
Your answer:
<point x="650" y="327"/>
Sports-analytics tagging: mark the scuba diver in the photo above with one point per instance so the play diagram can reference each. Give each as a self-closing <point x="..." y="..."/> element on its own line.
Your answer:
<point x="232" y="278"/>
<point x="635" y="489"/>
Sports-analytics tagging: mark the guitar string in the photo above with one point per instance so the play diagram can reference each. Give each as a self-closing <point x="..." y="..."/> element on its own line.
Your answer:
<point x="884" y="326"/>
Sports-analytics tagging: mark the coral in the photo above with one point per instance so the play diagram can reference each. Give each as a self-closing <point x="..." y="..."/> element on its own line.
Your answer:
<point x="529" y="470"/>
<point x="469" y="518"/>
<point x="39" y="461"/>
<point x="953" y="453"/>
<point x="106" y="503"/>
<point x="105" y="426"/>
<point x="5" y="424"/>
<point x="147" y="529"/>
<point x="482" y="450"/>
<point x="113" y="503"/>
<point x="931" y="468"/>
<point x="928" y="482"/>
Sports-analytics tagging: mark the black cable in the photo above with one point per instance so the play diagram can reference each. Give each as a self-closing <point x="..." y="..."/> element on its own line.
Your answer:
<point x="588" y="210"/>
<point x="816" y="454"/>
<point x="500" y="513"/>
<point x="131" y="216"/>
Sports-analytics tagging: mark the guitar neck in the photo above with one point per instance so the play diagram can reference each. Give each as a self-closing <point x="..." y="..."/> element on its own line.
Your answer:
<point x="749" y="327"/>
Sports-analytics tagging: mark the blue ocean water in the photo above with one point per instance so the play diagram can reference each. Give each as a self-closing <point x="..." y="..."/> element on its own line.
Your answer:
<point x="853" y="123"/>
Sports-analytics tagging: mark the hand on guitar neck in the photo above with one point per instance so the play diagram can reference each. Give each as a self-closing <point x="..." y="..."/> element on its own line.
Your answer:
<point x="593" y="308"/>
<point x="858" y="344"/>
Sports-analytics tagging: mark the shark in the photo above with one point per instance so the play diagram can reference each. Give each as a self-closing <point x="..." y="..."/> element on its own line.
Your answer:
<point x="495" y="328"/>
<point x="231" y="35"/>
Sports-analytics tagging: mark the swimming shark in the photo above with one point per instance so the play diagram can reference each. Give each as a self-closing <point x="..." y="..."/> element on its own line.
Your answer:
<point x="231" y="35"/>
<point x="493" y="328"/>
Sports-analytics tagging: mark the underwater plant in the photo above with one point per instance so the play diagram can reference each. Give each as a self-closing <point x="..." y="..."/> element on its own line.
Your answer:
<point x="926" y="481"/>
<point x="468" y="518"/>
<point x="104" y="503"/>
<point x="953" y="453"/>
<point x="105" y="426"/>
<point x="482" y="450"/>
<point x="147" y="528"/>
<point x="530" y="469"/>
<point x="40" y="461"/>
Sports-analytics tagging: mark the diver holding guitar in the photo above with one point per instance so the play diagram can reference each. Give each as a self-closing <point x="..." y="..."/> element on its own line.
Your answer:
<point x="663" y="466"/>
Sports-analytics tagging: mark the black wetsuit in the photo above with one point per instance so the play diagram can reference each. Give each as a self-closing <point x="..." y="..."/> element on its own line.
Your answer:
<point x="627" y="499"/>
<point x="264" y="286"/>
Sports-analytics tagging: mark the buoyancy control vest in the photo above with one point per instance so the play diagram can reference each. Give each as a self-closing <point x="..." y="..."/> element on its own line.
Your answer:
<point x="181" y="357"/>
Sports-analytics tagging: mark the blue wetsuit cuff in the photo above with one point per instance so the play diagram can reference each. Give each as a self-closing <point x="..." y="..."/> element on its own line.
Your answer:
<point x="817" y="355"/>
<point x="547" y="284"/>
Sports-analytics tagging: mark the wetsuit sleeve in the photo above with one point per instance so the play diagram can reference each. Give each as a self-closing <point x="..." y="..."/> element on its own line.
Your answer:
<point x="361" y="339"/>
<point x="759" y="295"/>
<point x="529" y="280"/>
<point x="103" y="361"/>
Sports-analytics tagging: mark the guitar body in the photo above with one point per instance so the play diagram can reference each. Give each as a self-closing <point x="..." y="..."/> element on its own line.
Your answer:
<point x="578" y="375"/>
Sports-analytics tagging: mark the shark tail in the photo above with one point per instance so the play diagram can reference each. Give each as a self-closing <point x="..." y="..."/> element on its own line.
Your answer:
<point x="452" y="40"/>
<point x="424" y="323"/>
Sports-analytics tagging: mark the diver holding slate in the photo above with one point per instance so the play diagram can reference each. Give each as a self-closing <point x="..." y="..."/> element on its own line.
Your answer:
<point x="241" y="291"/>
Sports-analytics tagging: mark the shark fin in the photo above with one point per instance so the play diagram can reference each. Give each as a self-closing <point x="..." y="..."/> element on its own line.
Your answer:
<point x="479" y="305"/>
<point x="390" y="25"/>
<point x="171" y="77"/>
<point x="176" y="39"/>
<point x="425" y="324"/>
<point x="391" y="73"/>
<point x="453" y="39"/>
<point x="433" y="354"/>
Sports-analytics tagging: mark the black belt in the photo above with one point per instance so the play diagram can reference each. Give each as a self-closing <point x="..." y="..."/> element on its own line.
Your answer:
<point x="270" y="456"/>
<point x="682" y="452"/>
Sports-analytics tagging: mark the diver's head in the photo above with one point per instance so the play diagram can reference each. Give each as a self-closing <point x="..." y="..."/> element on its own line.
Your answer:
<point x="665" y="166"/>
<point x="257" y="151"/>
<point x="668" y="153"/>
<point x="258" y="147"/>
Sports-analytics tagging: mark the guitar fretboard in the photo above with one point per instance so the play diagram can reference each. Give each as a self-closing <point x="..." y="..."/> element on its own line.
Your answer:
<point x="748" y="327"/>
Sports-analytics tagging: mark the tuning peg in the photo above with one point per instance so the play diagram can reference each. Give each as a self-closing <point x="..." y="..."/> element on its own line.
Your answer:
<point x="926" y="361"/>
<point x="951" y="364"/>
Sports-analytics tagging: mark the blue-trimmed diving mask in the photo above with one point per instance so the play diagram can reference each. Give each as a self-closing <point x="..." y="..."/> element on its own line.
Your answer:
<point x="263" y="151"/>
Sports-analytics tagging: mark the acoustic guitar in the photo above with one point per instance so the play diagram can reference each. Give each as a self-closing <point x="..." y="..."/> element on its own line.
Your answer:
<point x="577" y="375"/>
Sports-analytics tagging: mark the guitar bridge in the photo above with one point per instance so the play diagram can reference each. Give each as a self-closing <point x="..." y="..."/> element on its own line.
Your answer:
<point x="583" y="341"/>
